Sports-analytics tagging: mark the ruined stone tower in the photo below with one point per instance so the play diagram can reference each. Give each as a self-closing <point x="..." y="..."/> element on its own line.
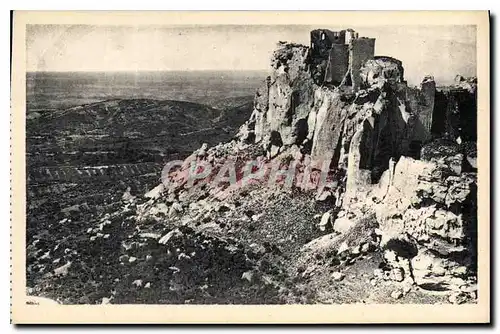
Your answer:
<point x="337" y="56"/>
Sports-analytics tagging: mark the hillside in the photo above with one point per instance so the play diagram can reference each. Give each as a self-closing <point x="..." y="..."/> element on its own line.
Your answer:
<point x="82" y="159"/>
<point x="127" y="131"/>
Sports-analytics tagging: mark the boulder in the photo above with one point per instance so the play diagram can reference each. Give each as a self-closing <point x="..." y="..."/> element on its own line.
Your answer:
<point x="343" y="224"/>
<point x="172" y="234"/>
<point x="127" y="196"/>
<point x="338" y="276"/>
<point x="397" y="294"/>
<point x="156" y="192"/>
<point x="325" y="221"/>
<point x="174" y="210"/>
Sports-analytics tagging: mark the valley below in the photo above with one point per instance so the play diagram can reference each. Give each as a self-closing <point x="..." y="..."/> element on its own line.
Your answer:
<point x="82" y="159"/>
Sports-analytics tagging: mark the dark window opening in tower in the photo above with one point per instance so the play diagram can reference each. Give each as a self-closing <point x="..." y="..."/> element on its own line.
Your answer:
<point x="348" y="80"/>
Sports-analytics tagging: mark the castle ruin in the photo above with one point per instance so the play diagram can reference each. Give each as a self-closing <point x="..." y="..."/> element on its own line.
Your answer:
<point x="337" y="56"/>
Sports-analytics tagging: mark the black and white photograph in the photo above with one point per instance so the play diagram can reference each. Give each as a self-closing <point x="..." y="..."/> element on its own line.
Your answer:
<point x="252" y="164"/>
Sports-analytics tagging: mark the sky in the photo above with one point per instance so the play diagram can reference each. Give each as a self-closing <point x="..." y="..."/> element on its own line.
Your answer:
<point x="441" y="51"/>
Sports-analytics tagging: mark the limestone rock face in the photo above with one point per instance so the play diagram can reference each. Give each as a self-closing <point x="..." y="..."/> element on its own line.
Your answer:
<point x="282" y="120"/>
<point x="290" y="109"/>
<point x="420" y="190"/>
<point x="359" y="131"/>
<point x="325" y="123"/>
<point x="367" y="130"/>
<point x="261" y="101"/>
<point x="433" y="205"/>
<point x="361" y="149"/>
<point x="404" y="160"/>
<point x="383" y="131"/>
<point x="422" y="102"/>
<point x="426" y="213"/>
<point x="428" y="196"/>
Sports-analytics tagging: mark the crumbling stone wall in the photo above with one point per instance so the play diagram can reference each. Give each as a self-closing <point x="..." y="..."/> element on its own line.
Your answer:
<point x="360" y="50"/>
<point x="333" y="54"/>
<point x="338" y="64"/>
<point x="322" y="40"/>
<point x="329" y="55"/>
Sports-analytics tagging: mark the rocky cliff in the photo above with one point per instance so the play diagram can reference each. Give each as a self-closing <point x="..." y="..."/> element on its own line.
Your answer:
<point x="402" y="159"/>
<point x="408" y="156"/>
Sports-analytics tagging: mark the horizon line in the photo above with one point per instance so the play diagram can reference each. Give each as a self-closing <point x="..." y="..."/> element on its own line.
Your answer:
<point x="440" y="81"/>
<point x="165" y="70"/>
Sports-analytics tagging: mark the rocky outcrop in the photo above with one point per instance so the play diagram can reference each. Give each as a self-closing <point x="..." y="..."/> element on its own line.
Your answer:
<point x="421" y="101"/>
<point x="402" y="156"/>
<point x="379" y="70"/>
<point x="426" y="216"/>
<point x="434" y="206"/>
<point x="281" y="120"/>
<point x="421" y="192"/>
<point x="325" y="123"/>
<point x="469" y="84"/>
<point x="323" y="120"/>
